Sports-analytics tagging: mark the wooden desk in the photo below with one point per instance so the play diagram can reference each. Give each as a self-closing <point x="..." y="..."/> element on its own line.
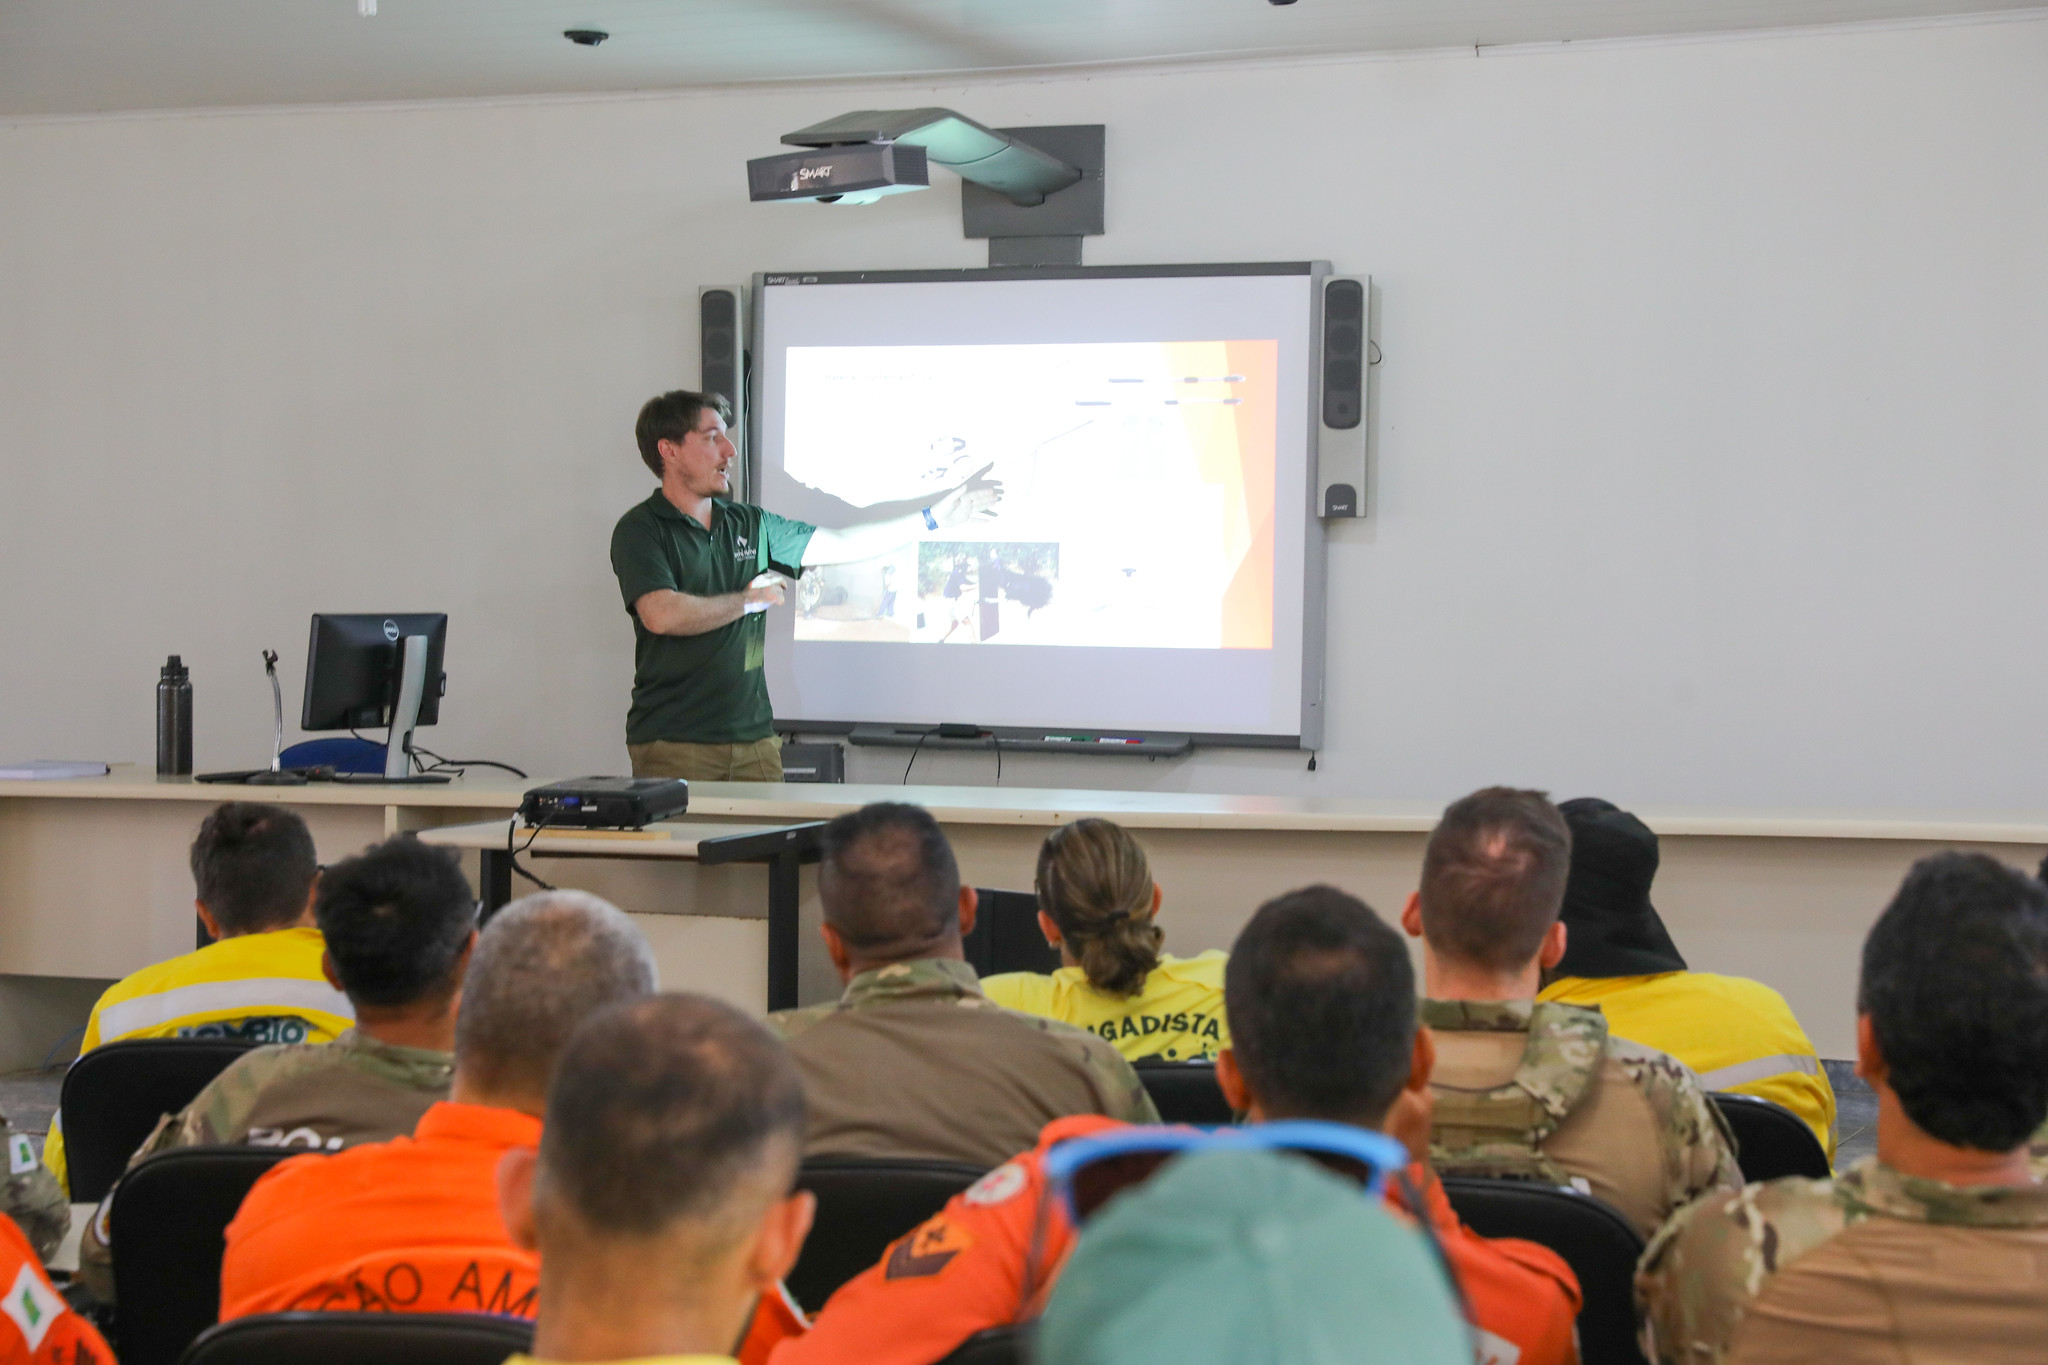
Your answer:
<point x="784" y="848"/>
<point x="93" y="877"/>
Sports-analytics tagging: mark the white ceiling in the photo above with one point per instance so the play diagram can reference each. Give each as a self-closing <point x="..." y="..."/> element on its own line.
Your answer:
<point x="82" y="56"/>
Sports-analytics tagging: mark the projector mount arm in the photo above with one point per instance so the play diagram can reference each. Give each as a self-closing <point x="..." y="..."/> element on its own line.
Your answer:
<point x="1014" y="169"/>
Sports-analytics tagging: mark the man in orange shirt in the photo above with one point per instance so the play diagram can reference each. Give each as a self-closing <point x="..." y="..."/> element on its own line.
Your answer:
<point x="1321" y="999"/>
<point x="662" y="1199"/>
<point x="412" y="1224"/>
<point x="37" y="1327"/>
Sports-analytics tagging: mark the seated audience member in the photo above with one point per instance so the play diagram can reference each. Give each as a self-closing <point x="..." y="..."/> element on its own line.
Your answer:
<point x="662" y="1201"/>
<point x="1541" y="1090"/>
<point x="1935" y="1249"/>
<point x="1251" y="1258"/>
<point x="913" y="1060"/>
<point x="1098" y="904"/>
<point x="36" y="1324"/>
<point x="1321" y="997"/>
<point x="254" y="869"/>
<point x="399" y="925"/>
<point x="1735" y="1034"/>
<point x="32" y="1197"/>
<point x="413" y="1223"/>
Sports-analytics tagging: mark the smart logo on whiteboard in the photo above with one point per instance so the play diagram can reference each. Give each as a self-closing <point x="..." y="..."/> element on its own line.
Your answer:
<point x="1139" y="487"/>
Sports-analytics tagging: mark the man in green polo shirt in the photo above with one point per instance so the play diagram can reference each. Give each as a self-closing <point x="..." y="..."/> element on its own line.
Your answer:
<point x="698" y="571"/>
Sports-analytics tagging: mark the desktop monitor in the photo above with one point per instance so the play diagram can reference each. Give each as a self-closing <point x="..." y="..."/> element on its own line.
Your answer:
<point x="354" y="674"/>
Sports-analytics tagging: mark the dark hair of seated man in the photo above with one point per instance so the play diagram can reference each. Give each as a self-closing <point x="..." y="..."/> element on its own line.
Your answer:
<point x="253" y="866"/>
<point x="891" y="889"/>
<point x="661" y="1200"/>
<point x="1321" y="995"/>
<point x="399" y="924"/>
<point x="1953" y="1016"/>
<point x="1493" y="879"/>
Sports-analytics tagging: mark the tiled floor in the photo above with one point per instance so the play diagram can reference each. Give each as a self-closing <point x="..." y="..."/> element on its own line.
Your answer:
<point x="29" y="1098"/>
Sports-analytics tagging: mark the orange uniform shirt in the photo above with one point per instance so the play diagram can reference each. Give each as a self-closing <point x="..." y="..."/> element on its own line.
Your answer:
<point x="409" y="1226"/>
<point x="989" y="1258"/>
<point x="36" y="1326"/>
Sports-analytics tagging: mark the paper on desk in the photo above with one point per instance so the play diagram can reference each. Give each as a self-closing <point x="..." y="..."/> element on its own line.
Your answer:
<point x="44" y="769"/>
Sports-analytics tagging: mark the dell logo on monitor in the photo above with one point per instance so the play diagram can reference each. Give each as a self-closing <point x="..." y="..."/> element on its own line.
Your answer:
<point x="391" y="630"/>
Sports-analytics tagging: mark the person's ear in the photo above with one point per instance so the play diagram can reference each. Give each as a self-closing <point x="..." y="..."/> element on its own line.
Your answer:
<point x="327" y="970"/>
<point x="1050" y="929"/>
<point x="970" y="900"/>
<point x="1158" y="898"/>
<point x="462" y="958"/>
<point x="206" y="918"/>
<point x="1230" y="1080"/>
<point x="1411" y="915"/>
<point x="1552" y="951"/>
<point x="783" y="1230"/>
<point x="516" y="1170"/>
<point x="1870" y="1063"/>
<point x="835" y="948"/>
<point x="666" y="451"/>
<point x="1422" y="1060"/>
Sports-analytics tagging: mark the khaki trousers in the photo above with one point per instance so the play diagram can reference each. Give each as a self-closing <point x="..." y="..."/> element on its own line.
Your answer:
<point x="758" y="761"/>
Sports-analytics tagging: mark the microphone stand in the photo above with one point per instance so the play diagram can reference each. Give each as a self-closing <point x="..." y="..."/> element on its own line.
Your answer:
<point x="277" y="776"/>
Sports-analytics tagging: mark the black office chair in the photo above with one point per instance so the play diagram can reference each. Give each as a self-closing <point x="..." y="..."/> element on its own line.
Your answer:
<point x="362" y="1339"/>
<point x="1599" y="1244"/>
<point x="863" y="1205"/>
<point x="996" y="1346"/>
<point x="1184" y="1092"/>
<point x="169" y="1219"/>
<point x="114" y="1095"/>
<point x="1771" y="1140"/>
<point x="1006" y="936"/>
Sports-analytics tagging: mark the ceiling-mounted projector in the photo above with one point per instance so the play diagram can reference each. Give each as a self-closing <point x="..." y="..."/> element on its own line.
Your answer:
<point x="861" y="156"/>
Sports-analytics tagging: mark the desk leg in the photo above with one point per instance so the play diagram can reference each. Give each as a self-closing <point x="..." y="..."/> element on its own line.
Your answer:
<point x="783" y="890"/>
<point x="495" y="865"/>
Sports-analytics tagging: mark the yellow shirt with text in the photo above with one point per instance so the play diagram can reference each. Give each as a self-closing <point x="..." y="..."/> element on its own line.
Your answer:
<point x="265" y="987"/>
<point x="1177" y="1014"/>
<point x="1736" y="1034"/>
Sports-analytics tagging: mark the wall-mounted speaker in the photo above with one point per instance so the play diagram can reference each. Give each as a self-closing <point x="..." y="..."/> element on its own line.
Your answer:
<point x="1342" y="418"/>
<point x="722" y="351"/>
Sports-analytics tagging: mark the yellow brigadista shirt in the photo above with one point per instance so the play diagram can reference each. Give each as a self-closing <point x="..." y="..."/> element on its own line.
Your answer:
<point x="1735" y="1034"/>
<point x="1177" y="1014"/>
<point x="265" y="987"/>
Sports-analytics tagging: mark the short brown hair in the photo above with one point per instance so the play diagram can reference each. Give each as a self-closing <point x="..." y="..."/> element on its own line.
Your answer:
<point x="1493" y="877"/>
<point x="253" y="866"/>
<point x="671" y="417"/>
<point x="1094" y="883"/>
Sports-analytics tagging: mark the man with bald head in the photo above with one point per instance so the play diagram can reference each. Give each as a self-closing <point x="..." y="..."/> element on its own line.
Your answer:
<point x="913" y="1060"/>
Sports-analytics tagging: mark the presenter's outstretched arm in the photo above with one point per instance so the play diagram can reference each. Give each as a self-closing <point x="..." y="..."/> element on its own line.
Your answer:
<point x="864" y="540"/>
<point x="666" y="612"/>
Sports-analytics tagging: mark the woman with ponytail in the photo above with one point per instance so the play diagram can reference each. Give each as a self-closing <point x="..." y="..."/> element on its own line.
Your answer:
<point x="1097" y="903"/>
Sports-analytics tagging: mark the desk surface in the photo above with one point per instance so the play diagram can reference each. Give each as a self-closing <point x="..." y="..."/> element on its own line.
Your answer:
<point x="670" y="839"/>
<point x="1045" y="807"/>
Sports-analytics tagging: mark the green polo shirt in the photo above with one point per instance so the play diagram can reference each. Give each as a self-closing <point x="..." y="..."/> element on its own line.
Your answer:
<point x="709" y="688"/>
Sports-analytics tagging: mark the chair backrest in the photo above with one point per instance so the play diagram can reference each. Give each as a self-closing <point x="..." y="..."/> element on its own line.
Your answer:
<point x="362" y="1339"/>
<point x="1599" y="1244"/>
<point x="1006" y="936"/>
<point x="863" y="1205"/>
<point x="996" y="1346"/>
<point x="114" y="1095"/>
<point x="169" y="1222"/>
<point x="1771" y="1140"/>
<point x="1184" y="1092"/>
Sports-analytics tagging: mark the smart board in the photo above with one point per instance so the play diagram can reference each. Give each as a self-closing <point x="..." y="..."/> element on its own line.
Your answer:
<point x="1152" y="565"/>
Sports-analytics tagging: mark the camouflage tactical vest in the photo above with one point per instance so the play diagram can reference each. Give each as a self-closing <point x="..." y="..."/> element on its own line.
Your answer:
<point x="1500" y="1132"/>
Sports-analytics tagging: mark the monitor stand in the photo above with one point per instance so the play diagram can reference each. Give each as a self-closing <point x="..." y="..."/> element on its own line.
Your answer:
<point x="405" y="716"/>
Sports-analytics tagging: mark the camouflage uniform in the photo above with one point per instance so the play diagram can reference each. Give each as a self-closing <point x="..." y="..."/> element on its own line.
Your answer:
<point x="318" y="1096"/>
<point x="33" y="1199"/>
<point x="1870" y="1266"/>
<point x="914" y="1061"/>
<point x="1570" y="1104"/>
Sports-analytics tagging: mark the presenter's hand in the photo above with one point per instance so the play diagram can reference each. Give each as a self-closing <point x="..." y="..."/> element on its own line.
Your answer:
<point x="975" y="498"/>
<point x="765" y="591"/>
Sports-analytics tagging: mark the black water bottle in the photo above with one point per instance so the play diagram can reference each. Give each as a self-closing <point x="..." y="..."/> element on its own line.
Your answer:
<point x="174" y="720"/>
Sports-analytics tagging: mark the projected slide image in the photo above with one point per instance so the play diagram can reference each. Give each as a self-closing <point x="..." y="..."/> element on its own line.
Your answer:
<point x="1138" y="491"/>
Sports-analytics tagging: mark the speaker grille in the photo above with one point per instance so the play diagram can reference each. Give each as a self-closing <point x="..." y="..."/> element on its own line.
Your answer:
<point x="1343" y="354"/>
<point x="718" y="321"/>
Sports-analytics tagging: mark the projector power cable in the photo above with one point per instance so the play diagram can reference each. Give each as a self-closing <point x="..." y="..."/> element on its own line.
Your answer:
<point x="512" y="854"/>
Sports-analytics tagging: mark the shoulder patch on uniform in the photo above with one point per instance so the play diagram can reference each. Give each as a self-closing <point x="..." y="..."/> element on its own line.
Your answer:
<point x="926" y="1251"/>
<point x="999" y="1186"/>
<point x="33" y="1305"/>
<point x="21" y="1154"/>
